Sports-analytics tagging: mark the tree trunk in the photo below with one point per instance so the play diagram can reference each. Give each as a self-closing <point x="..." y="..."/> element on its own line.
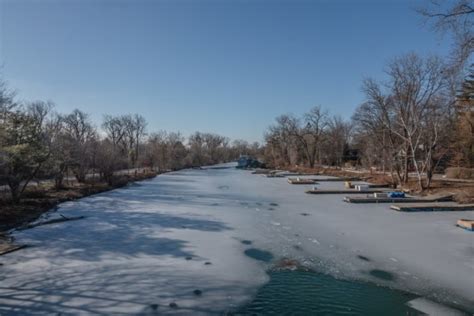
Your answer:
<point x="80" y="175"/>
<point x="14" y="186"/>
<point x="58" y="181"/>
<point x="405" y="166"/>
<point x="429" y="178"/>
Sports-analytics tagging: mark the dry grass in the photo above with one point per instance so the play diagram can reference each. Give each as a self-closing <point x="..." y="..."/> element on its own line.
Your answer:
<point x="460" y="173"/>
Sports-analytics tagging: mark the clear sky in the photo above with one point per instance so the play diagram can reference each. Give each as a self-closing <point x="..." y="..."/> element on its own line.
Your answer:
<point x="228" y="67"/>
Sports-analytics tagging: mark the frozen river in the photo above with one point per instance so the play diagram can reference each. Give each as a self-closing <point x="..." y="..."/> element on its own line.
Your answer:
<point x="202" y="241"/>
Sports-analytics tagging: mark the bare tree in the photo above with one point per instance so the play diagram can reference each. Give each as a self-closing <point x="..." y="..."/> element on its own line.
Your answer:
<point x="414" y="84"/>
<point x="316" y="122"/>
<point x="214" y="146"/>
<point x="108" y="160"/>
<point x="79" y="135"/>
<point x="439" y="129"/>
<point x="338" y="139"/>
<point x="313" y="138"/>
<point x="177" y="151"/>
<point x="408" y="114"/>
<point x="61" y="158"/>
<point x="279" y="143"/>
<point x="158" y="150"/>
<point x="114" y="129"/>
<point x="207" y="148"/>
<point x="139" y="125"/>
<point x="375" y="121"/>
<point x="456" y="18"/>
<point x="196" y="149"/>
<point x="241" y="147"/>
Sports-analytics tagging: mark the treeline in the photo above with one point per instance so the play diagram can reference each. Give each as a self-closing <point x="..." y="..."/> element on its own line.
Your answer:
<point x="38" y="143"/>
<point x="418" y="120"/>
<point x="314" y="138"/>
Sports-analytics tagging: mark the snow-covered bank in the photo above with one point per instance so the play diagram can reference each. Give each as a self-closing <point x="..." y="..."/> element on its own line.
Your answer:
<point x="148" y="244"/>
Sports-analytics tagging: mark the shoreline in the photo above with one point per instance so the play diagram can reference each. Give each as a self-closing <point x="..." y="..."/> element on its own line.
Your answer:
<point x="38" y="202"/>
<point x="462" y="189"/>
<point x="168" y="229"/>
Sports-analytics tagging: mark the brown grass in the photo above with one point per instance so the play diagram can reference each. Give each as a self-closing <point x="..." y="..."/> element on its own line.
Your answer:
<point x="375" y="178"/>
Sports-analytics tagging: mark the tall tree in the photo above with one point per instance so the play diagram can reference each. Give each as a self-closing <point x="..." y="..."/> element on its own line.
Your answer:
<point x="79" y="136"/>
<point x="409" y="114"/>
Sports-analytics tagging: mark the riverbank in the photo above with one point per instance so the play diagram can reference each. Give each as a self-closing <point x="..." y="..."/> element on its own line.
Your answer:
<point x="40" y="199"/>
<point x="462" y="190"/>
<point x="201" y="242"/>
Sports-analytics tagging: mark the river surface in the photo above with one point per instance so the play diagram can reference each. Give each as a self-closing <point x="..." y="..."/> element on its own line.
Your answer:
<point x="216" y="241"/>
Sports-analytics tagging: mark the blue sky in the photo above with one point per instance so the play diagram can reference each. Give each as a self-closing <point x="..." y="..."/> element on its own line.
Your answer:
<point x="228" y="67"/>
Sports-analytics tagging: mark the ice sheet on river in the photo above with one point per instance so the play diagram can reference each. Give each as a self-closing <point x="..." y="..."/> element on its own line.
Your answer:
<point x="153" y="243"/>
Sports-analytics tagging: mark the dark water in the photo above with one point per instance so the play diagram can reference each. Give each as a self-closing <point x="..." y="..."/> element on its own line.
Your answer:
<point x="258" y="254"/>
<point x="308" y="293"/>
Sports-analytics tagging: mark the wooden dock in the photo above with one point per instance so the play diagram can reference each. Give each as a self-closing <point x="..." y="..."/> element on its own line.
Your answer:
<point x="273" y="175"/>
<point x="326" y="179"/>
<point x="347" y="191"/>
<point x="340" y="179"/>
<point x="432" y="207"/>
<point x="289" y="174"/>
<point x="376" y="186"/>
<point x="263" y="171"/>
<point x="360" y="199"/>
<point x="302" y="181"/>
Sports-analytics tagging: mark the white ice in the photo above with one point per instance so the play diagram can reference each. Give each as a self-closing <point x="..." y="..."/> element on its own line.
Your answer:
<point x="148" y="243"/>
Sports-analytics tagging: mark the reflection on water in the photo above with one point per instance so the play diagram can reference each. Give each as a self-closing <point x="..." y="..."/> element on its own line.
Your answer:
<point x="309" y="293"/>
